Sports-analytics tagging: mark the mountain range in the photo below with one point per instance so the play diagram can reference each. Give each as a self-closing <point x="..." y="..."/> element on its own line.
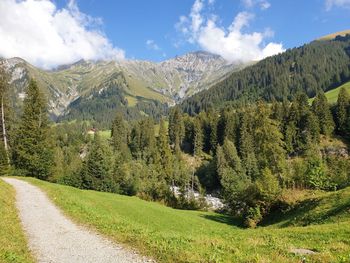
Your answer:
<point x="136" y="81"/>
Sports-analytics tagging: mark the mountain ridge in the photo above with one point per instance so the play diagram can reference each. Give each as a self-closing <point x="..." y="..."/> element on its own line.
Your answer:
<point x="168" y="81"/>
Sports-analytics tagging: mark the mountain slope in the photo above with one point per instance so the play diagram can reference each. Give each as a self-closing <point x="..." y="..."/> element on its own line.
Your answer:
<point x="320" y="65"/>
<point x="334" y="35"/>
<point x="137" y="81"/>
<point x="332" y="95"/>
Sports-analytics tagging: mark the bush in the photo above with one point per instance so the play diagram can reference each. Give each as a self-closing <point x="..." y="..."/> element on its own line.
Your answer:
<point x="253" y="216"/>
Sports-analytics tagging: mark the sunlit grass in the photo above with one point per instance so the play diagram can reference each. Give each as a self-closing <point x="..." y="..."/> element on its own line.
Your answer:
<point x="332" y="95"/>
<point x="171" y="235"/>
<point x="13" y="244"/>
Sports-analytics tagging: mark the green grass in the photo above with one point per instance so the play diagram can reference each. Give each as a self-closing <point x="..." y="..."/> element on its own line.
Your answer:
<point x="132" y="101"/>
<point x="13" y="244"/>
<point x="171" y="235"/>
<point x="332" y="95"/>
<point x="317" y="208"/>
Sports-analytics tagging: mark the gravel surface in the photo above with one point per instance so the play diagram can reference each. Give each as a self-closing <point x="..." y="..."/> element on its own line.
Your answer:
<point x="53" y="238"/>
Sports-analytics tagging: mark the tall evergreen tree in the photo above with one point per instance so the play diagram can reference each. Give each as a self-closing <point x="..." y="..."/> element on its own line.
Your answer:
<point x="343" y="111"/>
<point x="119" y="135"/>
<point x="148" y="141"/>
<point x="269" y="141"/>
<point x="166" y="158"/>
<point x="231" y="174"/>
<point x="213" y="126"/>
<point x="247" y="148"/>
<point x="176" y="128"/>
<point x="198" y="137"/>
<point x="4" y="118"/>
<point x="96" y="173"/>
<point x="323" y="113"/>
<point x="32" y="151"/>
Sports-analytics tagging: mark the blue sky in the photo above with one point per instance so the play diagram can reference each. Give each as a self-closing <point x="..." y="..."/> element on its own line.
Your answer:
<point x="52" y="32"/>
<point x="129" y="24"/>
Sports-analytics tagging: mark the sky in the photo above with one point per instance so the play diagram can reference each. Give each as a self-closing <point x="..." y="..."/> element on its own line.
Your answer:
<point x="49" y="33"/>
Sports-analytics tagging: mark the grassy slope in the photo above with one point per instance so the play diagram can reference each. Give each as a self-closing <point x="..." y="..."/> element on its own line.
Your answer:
<point x="13" y="245"/>
<point x="333" y="35"/>
<point x="332" y="95"/>
<point x="172" y="235"/>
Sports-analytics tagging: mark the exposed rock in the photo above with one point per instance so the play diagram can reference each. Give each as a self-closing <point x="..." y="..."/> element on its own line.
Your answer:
<point x="302" y="251"/>
<point x="172" y="80"/>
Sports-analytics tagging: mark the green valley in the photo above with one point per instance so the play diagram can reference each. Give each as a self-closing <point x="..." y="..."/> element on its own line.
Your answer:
<point x="172" y="235"/>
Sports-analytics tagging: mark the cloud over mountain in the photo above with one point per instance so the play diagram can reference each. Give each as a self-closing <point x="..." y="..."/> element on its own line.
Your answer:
<point x="231" y="43"/>
<point x="47" y="36"/>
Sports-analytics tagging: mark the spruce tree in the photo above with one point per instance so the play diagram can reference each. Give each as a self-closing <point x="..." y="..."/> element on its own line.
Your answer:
<point x="166" y="157"/>
<point x="96" y="172"/>
<point x="323" y="113"/>
<point x="343" y="111"/>
<point x="198" y="137"/>
<point x="176" y="129"/>
<point x="119" y="134"/>
<point x="247" y="148"/>
<point x="148" y="145"/>
<point x="213" y="126"/>
<point x="269" y="141"/>
<point x="231" y="174"/>
<point x="4" y="118"/>
<point x="32" y="153"/>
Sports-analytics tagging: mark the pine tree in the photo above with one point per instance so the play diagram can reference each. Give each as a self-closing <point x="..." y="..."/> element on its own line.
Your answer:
<point x="176" y="129"/>
<point x="247" y="148"/>
<point x="323" y="113"/>
<point x="164" y="152"/>
<point x="343" y="111"/>
<point x="301" y="125"/>
<point x="119" y="134"/>
<point x="268" y="188"/>
<point x="135" y="141"/>
<point x="231" y="174"/>
<point x="269" y="141"/>
<point x="32" y="151"/>
<point x="96" y="173"/>
<point x="148" y="142"/>
<point x="213" y="126"/>
<point x="4" y="118"/>
<point x="198" y="138"/>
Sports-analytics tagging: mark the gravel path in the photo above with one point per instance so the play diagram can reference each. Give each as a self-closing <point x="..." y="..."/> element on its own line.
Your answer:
<point x="54" y="238"/>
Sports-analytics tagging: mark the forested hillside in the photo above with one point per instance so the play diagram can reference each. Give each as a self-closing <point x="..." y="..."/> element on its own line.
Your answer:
<point x="320" y="65"/>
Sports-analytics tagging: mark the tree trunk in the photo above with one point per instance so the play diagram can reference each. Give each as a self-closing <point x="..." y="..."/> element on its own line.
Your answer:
<point x="4" y="128"/>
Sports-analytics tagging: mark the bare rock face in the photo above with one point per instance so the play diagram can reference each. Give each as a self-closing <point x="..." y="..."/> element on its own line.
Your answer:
<point x="169" y="81"/>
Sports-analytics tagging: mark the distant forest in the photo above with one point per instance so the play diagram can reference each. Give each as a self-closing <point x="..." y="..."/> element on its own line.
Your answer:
<point x="318" y="66"/>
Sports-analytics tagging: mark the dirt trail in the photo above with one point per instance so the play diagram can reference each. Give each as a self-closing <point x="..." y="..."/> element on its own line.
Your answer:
<point x="54" y="238"/>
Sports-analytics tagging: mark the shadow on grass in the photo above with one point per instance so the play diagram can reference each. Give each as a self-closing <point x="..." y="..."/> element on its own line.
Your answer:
<point x="296" y="216"/>
<point x="309" y="212"/>
<point x="225" y="219"/>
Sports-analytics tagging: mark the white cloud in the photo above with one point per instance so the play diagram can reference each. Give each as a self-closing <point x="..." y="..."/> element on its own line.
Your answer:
<point x="337" y="3"/>
<point x="152" y="45"/>
<point x="231" y="43"/>
<point x="47" y="37"/>
<point x="263" y="4"/>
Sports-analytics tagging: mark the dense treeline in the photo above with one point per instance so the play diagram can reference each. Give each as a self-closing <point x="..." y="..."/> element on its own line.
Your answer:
<point x="100" y="105"/>
<point x="318" y="66"/>
<point x="249" y="155"/>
